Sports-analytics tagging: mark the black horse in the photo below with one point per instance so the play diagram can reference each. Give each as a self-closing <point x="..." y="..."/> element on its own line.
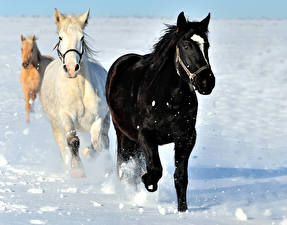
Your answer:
<point x="153" y="102"/>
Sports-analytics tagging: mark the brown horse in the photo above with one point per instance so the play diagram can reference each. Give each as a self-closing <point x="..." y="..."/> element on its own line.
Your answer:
<point x="33" y="68"/>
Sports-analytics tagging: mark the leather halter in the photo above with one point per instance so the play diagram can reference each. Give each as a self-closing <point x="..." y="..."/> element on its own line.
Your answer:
<point x="62" y="56"/>
<point x="190" y="74"/>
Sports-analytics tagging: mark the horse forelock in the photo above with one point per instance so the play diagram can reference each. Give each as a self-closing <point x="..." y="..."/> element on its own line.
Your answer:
<point x="167" y="42"/>
<point x="30" y="46"/>
<point x="67" y="25"/>
<point x="67" y="21"/>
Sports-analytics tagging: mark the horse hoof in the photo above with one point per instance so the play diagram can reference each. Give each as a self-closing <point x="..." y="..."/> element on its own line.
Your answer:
<point x="182" y="208"/>
<point x="77" y="173"/>
<point x="148" y="182"/>
<point x="151" y="188"/>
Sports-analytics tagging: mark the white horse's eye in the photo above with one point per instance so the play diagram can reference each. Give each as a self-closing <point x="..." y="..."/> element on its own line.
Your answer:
<point x="60" y="38"/>
<point x="82" y="38"/>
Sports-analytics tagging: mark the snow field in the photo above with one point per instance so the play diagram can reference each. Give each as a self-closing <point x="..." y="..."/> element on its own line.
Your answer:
<point x="237" y="171"/>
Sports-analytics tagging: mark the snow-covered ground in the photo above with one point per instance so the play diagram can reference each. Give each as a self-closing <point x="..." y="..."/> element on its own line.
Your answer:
<point x="237" y="172"/>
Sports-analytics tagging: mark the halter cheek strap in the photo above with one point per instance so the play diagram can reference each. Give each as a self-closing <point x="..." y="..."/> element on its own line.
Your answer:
<point x="190" y="74"/>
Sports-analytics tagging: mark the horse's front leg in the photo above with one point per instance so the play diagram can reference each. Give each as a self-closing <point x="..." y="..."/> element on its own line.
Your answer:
<point x="27" y="102"/>
<point x="153" y="164"/>
<point x="73" y="143"/>
<point x="183" y="148"/>
<point x="89" y="152"/>
<point x="99" y="137"/>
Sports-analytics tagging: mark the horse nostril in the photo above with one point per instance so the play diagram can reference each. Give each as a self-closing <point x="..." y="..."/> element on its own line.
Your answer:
<point x="24" y="65"/>
<point x="65" y="68"/>
<point x="77" y="67"/>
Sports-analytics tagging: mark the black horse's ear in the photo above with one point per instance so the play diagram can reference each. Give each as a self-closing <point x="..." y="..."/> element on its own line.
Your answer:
<point x="181" y="21"/>
<point x="204" y="23"/>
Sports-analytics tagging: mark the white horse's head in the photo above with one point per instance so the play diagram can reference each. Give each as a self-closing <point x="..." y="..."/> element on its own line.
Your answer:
<point x="71" y="40"/>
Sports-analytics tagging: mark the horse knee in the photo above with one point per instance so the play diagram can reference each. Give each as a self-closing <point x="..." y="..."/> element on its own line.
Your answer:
<point x="33" y="95"/>
<point x="95" y="133"/>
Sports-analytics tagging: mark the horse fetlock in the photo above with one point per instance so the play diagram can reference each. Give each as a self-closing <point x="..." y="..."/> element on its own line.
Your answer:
<point x="182" y="206"/>
<point x="73" y="141"/>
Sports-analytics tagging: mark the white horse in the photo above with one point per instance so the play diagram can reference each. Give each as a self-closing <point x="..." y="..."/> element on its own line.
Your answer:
<point x="73" y="94"/>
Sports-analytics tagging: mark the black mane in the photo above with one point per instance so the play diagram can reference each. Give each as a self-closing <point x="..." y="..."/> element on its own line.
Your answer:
<point x="166" y="44"/>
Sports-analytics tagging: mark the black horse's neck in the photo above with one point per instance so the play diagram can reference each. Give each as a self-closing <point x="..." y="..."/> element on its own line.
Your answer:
<point x="165" y="82"/>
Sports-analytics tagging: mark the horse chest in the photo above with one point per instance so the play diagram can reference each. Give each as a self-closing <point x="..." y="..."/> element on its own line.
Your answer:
<point x="171" y="118"/>
<point x="83" y="103"/>
<point x="89" y="109"/>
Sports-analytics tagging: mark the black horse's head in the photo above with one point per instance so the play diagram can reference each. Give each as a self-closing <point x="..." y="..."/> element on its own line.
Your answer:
<point x="191" y="56"/>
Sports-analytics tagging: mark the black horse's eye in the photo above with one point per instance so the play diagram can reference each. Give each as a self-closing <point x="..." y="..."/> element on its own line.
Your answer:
<point x="185" y="46"/>
<point x="60" y="38"/>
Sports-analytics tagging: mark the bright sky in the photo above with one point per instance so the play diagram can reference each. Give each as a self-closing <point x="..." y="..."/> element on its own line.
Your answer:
<point x="154" y="8"/>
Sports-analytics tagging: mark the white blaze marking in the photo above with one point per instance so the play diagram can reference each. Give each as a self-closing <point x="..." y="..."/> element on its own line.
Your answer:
<point x="200" y="42"/>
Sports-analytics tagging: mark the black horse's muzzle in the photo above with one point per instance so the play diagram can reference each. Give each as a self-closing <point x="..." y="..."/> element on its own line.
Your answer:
<point x="204" y="82"/>
<point x="202" y="78"/>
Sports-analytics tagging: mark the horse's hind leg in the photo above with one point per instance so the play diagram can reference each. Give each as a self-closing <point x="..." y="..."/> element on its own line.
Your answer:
<point x="129" y="159"/>
<point x="183" y="149"/>
<point x="105" y="131"/>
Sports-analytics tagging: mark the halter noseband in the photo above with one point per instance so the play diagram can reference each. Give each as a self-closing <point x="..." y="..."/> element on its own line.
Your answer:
<point x="190" y="74"/>
<point x="62" y="56"/>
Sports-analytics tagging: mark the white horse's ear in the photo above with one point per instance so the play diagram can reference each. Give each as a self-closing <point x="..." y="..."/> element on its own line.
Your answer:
<point x="83" y="19"/>
<point x="22" y="37"/>
<point x="58" y="16"/>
